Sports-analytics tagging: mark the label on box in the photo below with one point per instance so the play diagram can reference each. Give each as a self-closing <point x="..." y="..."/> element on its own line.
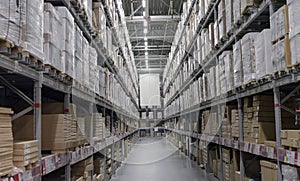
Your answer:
<point x="256" y="149"/>
<point x="289" y="157"/>
<point x="236" y="144"/>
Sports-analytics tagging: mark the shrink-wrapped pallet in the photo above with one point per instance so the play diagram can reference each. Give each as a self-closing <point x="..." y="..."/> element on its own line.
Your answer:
<point x="218" y="84"/>
<point x="228" y="58"/>
<point x="68" y="40"/>
<point x="52" y="38"/>
<point x="216" y="33"/>
<point x="11" y="21"/>
<point x="87" y="5"/>
<point x="99" y="20"/>
<point x="236" y="11"/>
<point x="109" y="44"/>
<point x="237" y="64"/>
<point x="295" y="49"/>
<point x="294" y="14"/>
<point x="78" y="54"/>
<point x="281" y="55"/>
<point x="229" y="14"/>
<point x="263" y="48"/>
<point x="222" y="19"/>
<point x="92" y="68"/>
<point x="205" y="87"/>
<point x="279" y="22"/>
<point x="85" y="61"/>
<point x="212" y="83"/>
<point x="248" y="57"/>
<point x="33" y="28"/>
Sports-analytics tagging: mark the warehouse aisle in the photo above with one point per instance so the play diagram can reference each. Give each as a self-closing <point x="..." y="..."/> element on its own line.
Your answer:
<point x="154" y="159"/>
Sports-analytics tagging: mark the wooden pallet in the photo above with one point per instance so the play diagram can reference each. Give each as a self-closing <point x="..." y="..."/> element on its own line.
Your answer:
<point x="286" y="36"/>
<point x="239" y="88"/>
<point x="294" y="68"/>
<point x="31" y="164"/>
<point x="279" y="74"/>
<point x="264" y="79"/>
<point x="252" y="83"/>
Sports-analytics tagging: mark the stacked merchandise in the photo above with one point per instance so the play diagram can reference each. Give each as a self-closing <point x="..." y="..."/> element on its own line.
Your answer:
<point x="25" y="154"/>
<point x="22" y="25"/>
<point x="218" y="83"/>
<point x="248" y="57"/>
<point x="102" y="79"/>
<point x="98" y="126"/>
<point x="64" y="133"/>
<point x="290" y="138"/>
<point x="281" y="52"/>
<point x="263" y="48"/>
<point x="290" y="172"/>
<point x="236" y="11"/>
<point x="235" y="133"/>
<point x="85" y="62"/>
<point x="294" y="34"/>
<point x="226" y="121"/>
<point x="229" y="15"/>
<point x="68" y="40"/>
<point x="99" y="22"/>
<point x="6" y="143"/>
<point x="99" y="168"/>
<point x="238" y="74"/>
<point x="87" y="7"/>
<point x="210" y="123"/>
<point x="269" y="170"/>
<point x="222" y="19"/>
<point x="83" y="170"/>
<point x="212" y="83"/>
<point x="228" y="168"/>
<point x="52" y="38"/>
<point x="93" y="72"/>
<point x="78" y="55"/>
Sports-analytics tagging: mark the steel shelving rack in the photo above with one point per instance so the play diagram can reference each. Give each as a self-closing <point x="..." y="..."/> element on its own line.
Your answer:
<point x="18" y="76"/>
<point x="282" y="87"/>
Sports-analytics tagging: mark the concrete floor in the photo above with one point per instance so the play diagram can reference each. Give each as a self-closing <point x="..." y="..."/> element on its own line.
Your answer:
<point x="155" y="159"/>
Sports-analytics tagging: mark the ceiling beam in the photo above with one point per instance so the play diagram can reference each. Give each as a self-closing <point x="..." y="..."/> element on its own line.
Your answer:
<point x="152" y="37"/>
<point x="150" y="71"/>
<point x="153" y="49"/>
<point x="156" y="18"/>
<point x="150" y="59"/>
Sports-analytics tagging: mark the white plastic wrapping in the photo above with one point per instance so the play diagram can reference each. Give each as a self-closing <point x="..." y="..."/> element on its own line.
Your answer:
<point x="212" y="83"/>
<point x="295" y="49"/>
<point x="78" y="42"/>
<point x="248" y="57"/>
<point x="33" y="28"/>
<point x="87" y="4"/>
<point x="205" y="87"/>
<point x="85" y="61"/>
<point x="228" y="59"/>
<point x="229" y="14"/>
<point x="279" y="23"/>
<point x="236" y="11"/>
<point x="52" y="38"/>
<point x="280" y="55"/>
<point x="93" y="56"/>
<point x="11" y="20"/>
<point x="263" y="48"/>
<point x="237" y="65"/>
<point x="294" y="14"/>
<point x="101" y="81"/>
<point x="218" y="83"/>
<point x="99" y="20"/>
<point x="216" y="33"/>
<point x="68" y="40"/>
<point x="290" y="173"/>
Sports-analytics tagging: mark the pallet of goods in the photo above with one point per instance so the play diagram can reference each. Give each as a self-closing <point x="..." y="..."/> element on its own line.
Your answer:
<point x="6" y="142"/>
<point x="25" y="154"/>
<point x="82" y="170"/>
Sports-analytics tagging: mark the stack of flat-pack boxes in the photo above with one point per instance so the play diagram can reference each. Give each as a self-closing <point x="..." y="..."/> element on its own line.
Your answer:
<point x="226" y="121"/>
<point x="235" y="133"/>
<point x="98" y="126"/>
<point x="6" y="143"/>
<point x="83" y="170"/>
<point x="228" y="170"/>
<point x="25" y="154"/>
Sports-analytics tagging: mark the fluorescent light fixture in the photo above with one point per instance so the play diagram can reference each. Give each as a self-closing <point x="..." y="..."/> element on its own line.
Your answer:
<point x="144" y="3"/>
<point x="146" y="48"/>
<point x="144" y="13"/>
<point x="146" y="43"/>
<point x="145" y="31"/>
<point x="145" y="39"/>
<point x="146" y="53"/>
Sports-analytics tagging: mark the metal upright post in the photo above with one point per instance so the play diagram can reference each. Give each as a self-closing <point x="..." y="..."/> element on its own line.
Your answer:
<point x="38" y="114"/>
<point x="241" y="131"/>
<point x="220" y="171"/>
<point x="277" y="111"/>
<point x="67" y="111"/>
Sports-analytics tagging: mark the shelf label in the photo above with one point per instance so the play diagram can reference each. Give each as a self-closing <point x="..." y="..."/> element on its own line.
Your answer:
<point x="256" y="149"/>
<point x="289" y="157"/>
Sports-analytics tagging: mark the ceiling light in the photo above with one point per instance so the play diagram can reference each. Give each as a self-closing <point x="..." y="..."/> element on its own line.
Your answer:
<point x="144" y="13"/>
<point x="145" y="39"/>
<point x="146" y="53"/>
<point x="145" y="23"/>
<point x="146" y="43"/>
<point x="146" y="48"/>
<point x="145" y="31"/>
<point x="144" y="3"/>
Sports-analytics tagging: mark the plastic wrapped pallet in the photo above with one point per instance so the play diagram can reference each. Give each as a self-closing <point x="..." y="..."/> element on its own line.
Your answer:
<point x="87" y="4"/>
<point x="109" y="44"/>
<point x="216" y="33"/>
<point x="236" y="11"/>
<point x="263" y="48"/>
<point x="78" y="54"/>
<point x="237" y="64"/>
<point x="248" y="57"/>
<point x="229" y="14"/>
<point x="85" y="62"/>
<point x="92" y="68"/>
<point x="290" y="173"/>
<point x="279" y="23"/>
<point x="33" y="28"/>
<point x="52" y="37"/>
<point x="294" y="14"/>
<point x="281" y="55"/>
<point x="228" y="70"/>
<point x="212" y="83"/>
<point x="11" y="21"/>
<point x="222" y="19"/>
<point x="218" y="83"/>
<point x="68" y="38"/>
<point x="99" y="20"/>
<point x="246" y="4"/>
<point x="295" y="49"/>
<point x="205" y="87"/>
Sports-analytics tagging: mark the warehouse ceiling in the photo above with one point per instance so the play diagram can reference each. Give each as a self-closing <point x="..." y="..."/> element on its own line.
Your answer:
<point x="152" y="25"/>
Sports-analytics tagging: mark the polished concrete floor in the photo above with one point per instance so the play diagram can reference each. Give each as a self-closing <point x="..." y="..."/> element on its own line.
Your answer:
<point x="155" y="159"/>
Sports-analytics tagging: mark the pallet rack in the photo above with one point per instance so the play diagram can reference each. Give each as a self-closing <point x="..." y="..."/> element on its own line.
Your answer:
<point x="281" y="86"/>
<point x="19" y="77"/>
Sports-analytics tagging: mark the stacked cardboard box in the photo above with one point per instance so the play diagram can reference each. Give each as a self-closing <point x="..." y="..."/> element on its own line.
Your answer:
<point x="290" y="172"/>
<point x="82" y="170"/>
<point x="25" y="154"/>
<point x="268" y="170"/>
<point x="204" y="119"/>
<point x="228" y="170"/>
<point x="6" y="142"/>
<point x="259" y="121"/>
<point x="290" y="138"/>
<point x="235" y="123"/>
<point x="226" y="121"/>
<point x="98" y="126"/>
<point x="222" y="19"/>
<point x="238" y="74"/>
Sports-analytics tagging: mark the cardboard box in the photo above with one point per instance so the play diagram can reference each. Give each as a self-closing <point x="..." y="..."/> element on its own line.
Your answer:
<point x="269" y="170"/>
